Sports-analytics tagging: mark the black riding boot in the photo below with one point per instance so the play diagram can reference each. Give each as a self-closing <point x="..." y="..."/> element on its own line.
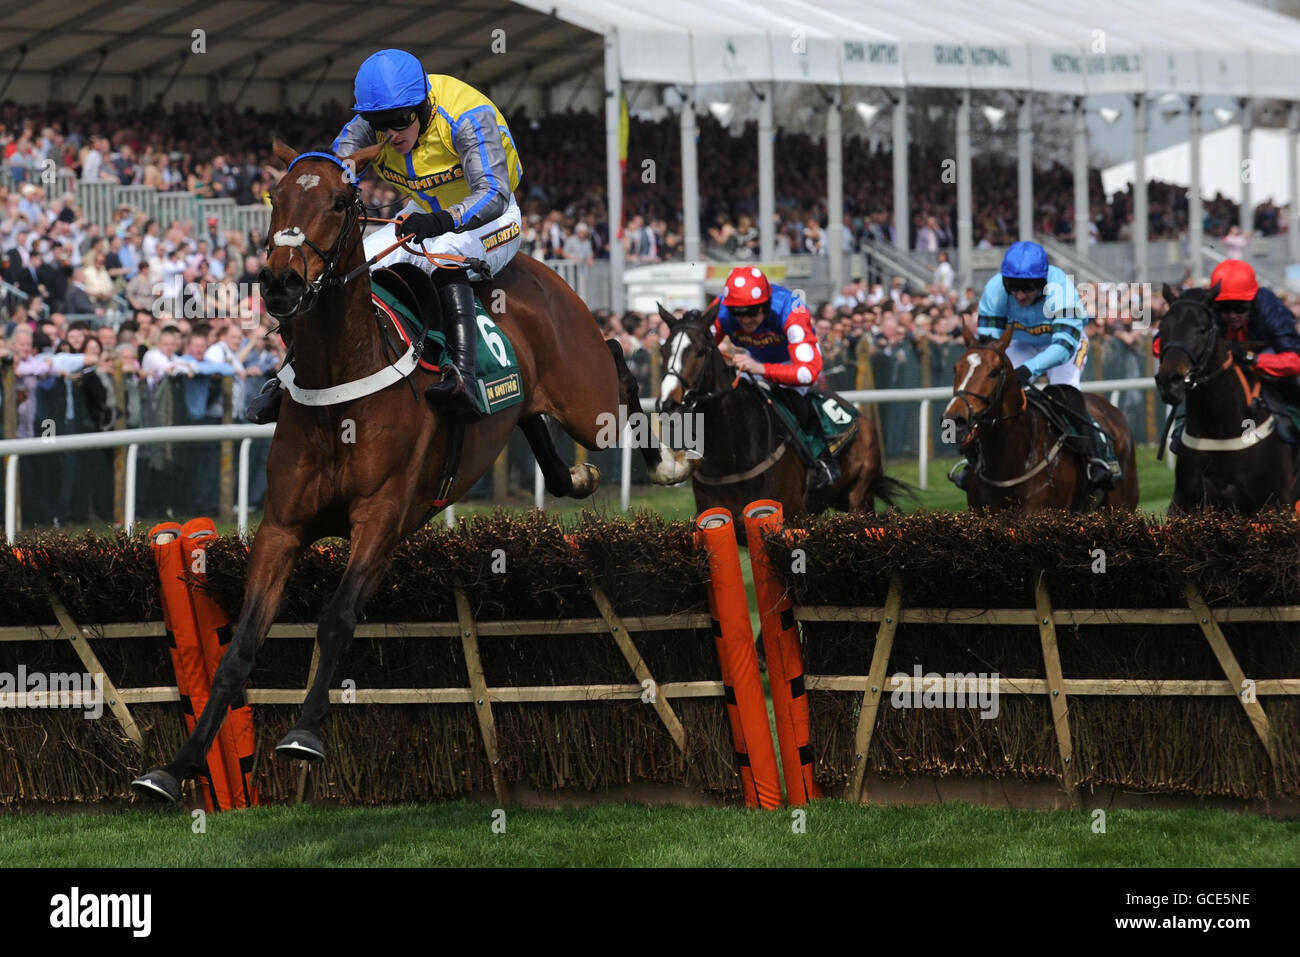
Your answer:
<point x="1090" y="444"/>
<point x="458" y="386"/>
<point x="265" y="406"/>
<point x="825" y="471"/>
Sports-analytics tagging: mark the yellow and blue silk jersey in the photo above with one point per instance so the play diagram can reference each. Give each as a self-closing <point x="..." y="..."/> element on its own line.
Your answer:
<point x="1053" y="325"/>
<point x="464" y="161"/>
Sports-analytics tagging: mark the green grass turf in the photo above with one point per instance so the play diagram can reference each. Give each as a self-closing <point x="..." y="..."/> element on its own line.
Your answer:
<point x="625" y="835"/>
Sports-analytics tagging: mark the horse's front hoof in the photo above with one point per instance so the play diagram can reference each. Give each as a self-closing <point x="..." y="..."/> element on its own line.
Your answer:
<point x="299" y="745"/>
<point x="674" y="467"/>
<point x="585" y="479"/>
<point x="159" y="786"/>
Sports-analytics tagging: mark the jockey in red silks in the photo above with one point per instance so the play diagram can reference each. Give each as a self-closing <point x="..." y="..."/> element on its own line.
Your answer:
<point x="774" y="327"/>
<point x="1253" y="314"/>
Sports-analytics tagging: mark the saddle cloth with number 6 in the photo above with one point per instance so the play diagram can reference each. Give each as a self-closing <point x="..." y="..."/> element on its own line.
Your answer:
<point x="839" y="422"/>
<point x="500" y="385"/>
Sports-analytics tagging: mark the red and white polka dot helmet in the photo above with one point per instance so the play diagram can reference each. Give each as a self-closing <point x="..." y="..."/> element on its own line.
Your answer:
<point x="746" y="286"/>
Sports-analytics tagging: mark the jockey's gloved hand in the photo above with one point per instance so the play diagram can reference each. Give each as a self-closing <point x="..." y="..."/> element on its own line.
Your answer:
<point x="424" y="226"/>
<point x="1241" y="353"/>
<point x="1023" y="376"/>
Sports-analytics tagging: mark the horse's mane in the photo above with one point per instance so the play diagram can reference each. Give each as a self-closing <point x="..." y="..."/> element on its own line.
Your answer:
<point x="1196" y="294"/>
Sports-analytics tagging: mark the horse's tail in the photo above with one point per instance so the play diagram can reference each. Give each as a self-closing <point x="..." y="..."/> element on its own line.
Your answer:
<point x="889" y="490"/>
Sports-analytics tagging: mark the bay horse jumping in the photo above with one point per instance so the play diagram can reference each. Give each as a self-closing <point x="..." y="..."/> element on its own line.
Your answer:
<point x="1017" y="456"/>
<point x="747" y="452"/>
<point x="374" y="469"/>
<point x="1231" y="456"/>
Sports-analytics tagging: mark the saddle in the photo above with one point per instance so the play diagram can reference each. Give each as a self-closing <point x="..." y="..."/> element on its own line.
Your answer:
<point x="406" y="295"/>
<point x="837" y="425"/>
<point x="419" y="312"/>
<point x="1274" y="399"/>
<point x="1063" y="420"/>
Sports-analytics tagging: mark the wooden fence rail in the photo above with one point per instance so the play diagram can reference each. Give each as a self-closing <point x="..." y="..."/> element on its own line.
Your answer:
<point x="1054" y="684"/>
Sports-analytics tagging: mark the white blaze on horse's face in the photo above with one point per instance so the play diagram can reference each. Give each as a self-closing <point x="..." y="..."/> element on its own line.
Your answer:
<point x="673" y="378"/>
<point x="308" y="180"/>
<point x="972" y="360"/>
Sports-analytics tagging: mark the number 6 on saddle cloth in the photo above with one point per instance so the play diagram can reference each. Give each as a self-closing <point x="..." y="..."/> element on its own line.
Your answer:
<point x="408" y="310"/>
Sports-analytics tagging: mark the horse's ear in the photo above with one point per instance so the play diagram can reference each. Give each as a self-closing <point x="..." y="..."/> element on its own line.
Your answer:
<point x="967" y="334"/>
<point x="712" y="312"/>
<point x="283" y="152"/>
<point x="1213" y="294"/>
<point x="666" y="316"/>
<point x="362" y="158"/>
<point x="1169" y="294"/>
<point x="1004" y="340"/>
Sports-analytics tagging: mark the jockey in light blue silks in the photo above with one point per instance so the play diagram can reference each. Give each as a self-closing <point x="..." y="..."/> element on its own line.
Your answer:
<point x="1043" y="309"/>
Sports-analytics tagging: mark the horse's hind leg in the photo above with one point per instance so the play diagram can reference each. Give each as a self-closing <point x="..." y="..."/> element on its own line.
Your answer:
<point x="372" y="544"/>
<point x="577" y="482"/>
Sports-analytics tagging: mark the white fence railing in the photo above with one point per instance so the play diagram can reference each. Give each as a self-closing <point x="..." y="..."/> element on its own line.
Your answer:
<point x="132" y="439"/>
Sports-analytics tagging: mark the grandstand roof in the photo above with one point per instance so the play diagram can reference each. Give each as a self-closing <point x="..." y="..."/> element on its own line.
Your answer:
<point x="1106" y="46"/>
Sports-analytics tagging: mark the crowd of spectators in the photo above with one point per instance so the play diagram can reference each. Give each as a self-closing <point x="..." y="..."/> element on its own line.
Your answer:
<point x="141" y="322"/>
<point x="563" y="194"/>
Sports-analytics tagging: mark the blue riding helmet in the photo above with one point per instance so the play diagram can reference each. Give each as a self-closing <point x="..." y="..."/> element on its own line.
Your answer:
<point x="1025" y="260"/>
<point x="390" y="80"/>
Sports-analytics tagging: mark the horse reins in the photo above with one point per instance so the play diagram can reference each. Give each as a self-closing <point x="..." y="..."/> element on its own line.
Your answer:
<point x="989" y="416"/>
<point x="691" y="398"/>
<point x="356" y="216"/>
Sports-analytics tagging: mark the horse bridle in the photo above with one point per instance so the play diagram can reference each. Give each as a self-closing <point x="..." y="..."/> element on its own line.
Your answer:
<point x="295" y="239"/>
<point x="1197" y="363"/>
<point x="989" y="416"/>
<point x="690" y="396"/>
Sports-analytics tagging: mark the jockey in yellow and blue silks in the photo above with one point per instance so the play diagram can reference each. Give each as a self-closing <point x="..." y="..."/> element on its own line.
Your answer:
<point x="1039" y="303"/>
<point x="448" y="149"/>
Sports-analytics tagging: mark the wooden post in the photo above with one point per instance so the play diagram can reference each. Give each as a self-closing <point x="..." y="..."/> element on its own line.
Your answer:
<point x="226" y="506"/>
<point x="482" y="702"/>
<point x="501" y="474"/>
<point x="9" y="383"/>
<point x="1056" y="686"/>
<point x="78" y="637"/>
<point x="871" y="698"/>
<point x="866" y="379"/>
<point x="639" y="668"/>
<point x="1232" y="671"/>
<point x="656" y="379"/>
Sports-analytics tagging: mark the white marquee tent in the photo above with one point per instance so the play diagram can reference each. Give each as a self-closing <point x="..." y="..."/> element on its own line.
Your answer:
<point x="1221" y="166"/>
<point x="1192" y="48"/>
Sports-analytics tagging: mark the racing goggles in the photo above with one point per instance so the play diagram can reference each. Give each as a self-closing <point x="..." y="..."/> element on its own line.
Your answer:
<point x="1232" y="307"/>
<point x="391" y="121"/>
<point x="745" y="312"/>
<point x="1013" y="286"/>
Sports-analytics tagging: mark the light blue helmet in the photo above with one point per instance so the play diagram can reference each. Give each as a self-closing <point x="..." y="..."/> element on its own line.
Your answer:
<point x="390" y="80"/>
<point x="1025" y="260"/>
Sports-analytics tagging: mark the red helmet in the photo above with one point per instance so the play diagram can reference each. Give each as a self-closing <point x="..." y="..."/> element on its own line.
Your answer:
<point x="1237" y="282"/>
<point x="746" y="286"/>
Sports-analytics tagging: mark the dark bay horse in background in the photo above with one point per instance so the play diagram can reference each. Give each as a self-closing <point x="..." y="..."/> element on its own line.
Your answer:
<point x="390" y="478"/>
<point x="1231" y="456"/>
<point x="1019" y="461"/>
<point x="747" y="452"/>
